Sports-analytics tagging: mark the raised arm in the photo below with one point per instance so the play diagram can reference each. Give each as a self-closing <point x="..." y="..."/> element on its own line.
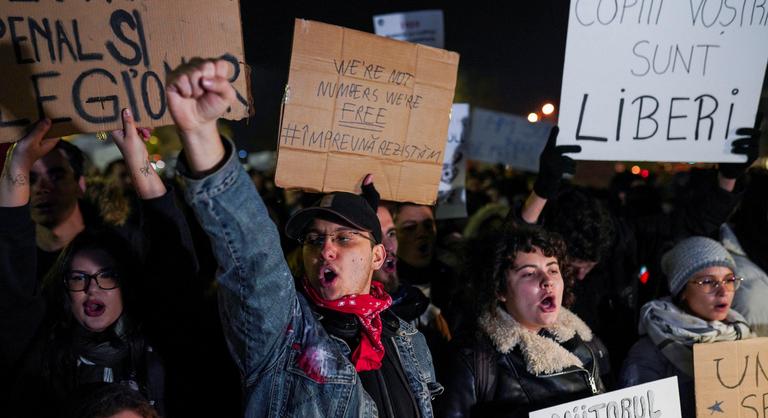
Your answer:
<point x="198" y="94"/>
<point x="14" y="180"/>
<point x="21" y="303"/>
<point x="131" y="142"/>
<point x="749" y="146"/>
<point x="553" y="163"/>
<point x="257" y="298"/>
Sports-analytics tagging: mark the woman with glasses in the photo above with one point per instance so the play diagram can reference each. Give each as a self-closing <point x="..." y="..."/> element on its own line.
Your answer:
<point x="96" y="335"/>
<point x="702" y="284"/>
<point x="81" y="327"/>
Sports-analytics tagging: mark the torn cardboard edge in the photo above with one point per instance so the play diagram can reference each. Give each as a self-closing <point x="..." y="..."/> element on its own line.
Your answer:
<point x="386" y="187"/>
<point x="147" y="28"/>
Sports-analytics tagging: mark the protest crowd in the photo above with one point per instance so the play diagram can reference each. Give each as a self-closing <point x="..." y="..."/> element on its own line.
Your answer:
<point x="213" y="292"/>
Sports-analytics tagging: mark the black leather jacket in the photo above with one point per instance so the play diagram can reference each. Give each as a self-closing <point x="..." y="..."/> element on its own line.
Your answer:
<point x="483" y="382"/>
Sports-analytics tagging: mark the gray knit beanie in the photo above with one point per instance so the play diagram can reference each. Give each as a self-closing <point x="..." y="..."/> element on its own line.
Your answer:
<point x="691" y="255"/>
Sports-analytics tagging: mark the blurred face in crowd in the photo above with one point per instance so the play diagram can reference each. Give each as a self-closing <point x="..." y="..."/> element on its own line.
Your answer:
<point x="416" y="234"/>
<point x="709" y="293"/>
<point x="387" y="274"/>
<point x="118" y="173"/>
<point x="534" y="290"/>
<point x="54" y="189"/>
<point x="340" y="260"/>
<point x="126" y="414"/>
<point x="582" y="267"/>
<point x="95" y="308"/>
<point x="292" y="197"/>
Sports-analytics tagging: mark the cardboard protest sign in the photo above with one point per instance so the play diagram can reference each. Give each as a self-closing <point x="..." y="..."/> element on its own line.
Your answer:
<point x="422" y="27"/>
<point x="731" y="378"/>
<point x="650" y="400"/>
<point x="80" y="62"/>
<point x="497" y="137"/>
<point x="661" y="81"/>
<point x="358" y="103"/>
<point x="452" y="191"/>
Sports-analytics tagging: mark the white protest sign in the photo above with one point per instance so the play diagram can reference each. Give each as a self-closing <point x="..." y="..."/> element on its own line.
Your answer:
<point x="497" y="137"/>
<point x="452" y="192"/>
<point x="422" y="27"/>
<point x="657" y="399"/>
<point x="661" y="80"/>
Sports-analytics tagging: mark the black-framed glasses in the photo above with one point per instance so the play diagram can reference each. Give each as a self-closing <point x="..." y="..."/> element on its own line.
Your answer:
<point x="342" y="238"/>
<point x="710" y="285"/>
<point x="79" y="281"/>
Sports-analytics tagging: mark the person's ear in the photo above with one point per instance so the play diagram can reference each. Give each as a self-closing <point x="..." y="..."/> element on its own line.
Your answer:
<point x="379" y="256"/>
<point x="81" y="186"/>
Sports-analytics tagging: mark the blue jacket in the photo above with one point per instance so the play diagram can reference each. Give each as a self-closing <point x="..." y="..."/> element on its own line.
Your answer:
<point x="271" y="329"/>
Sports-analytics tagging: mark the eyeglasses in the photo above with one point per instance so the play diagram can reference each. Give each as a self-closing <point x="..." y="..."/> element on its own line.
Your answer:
<point x="79" y="281"/>
<point x="341" y="238"/>
<point x="709" y="285"/>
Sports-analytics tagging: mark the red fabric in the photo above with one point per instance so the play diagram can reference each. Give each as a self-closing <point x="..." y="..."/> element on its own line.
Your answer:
<point x="367" y="309"/>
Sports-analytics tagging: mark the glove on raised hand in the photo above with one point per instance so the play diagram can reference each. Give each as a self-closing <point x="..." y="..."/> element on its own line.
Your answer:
<point x="553" y="164"/>
<point x="748" y="145"/>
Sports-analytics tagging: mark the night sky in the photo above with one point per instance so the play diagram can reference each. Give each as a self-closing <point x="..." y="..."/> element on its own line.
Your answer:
<point x="511" y="52"/>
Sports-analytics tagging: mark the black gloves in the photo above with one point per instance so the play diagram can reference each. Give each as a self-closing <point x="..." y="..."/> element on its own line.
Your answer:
<point x="552" y="165"/>
<point x="749" y="146"/>
<point x="370" y="194"/>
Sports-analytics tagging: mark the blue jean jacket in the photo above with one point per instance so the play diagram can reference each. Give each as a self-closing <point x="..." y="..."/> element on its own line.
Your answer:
<point x="271" y="330"/>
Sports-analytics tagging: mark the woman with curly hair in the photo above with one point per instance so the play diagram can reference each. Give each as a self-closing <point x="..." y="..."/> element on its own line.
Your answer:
<point x="529" y="352"/>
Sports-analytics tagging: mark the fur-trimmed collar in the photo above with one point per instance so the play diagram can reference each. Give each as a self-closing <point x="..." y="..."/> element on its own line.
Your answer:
<point x="542" y="355"/>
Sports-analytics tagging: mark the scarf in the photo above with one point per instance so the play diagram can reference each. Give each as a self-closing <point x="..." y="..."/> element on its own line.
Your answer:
<point x="367" y="309"/>
<point x="674" y="331"/>
<point x="103" y="356"/>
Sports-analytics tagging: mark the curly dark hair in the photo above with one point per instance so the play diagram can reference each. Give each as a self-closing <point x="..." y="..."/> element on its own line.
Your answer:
<point x="109" y="399"/>
<point x="584" y="223"/>
<point x="514" y="240"/>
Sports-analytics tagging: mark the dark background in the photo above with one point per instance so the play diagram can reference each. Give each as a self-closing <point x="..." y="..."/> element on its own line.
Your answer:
<point x="511" y="53"/>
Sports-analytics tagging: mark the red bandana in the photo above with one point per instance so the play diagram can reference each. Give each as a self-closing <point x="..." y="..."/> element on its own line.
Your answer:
<point x="370" y="351"/>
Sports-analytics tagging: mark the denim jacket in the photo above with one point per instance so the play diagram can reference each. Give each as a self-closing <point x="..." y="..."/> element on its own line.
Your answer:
<point x="271" y="329"/>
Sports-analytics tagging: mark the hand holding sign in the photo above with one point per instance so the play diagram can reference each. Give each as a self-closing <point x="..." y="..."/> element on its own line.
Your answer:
<point x="198" y="94"/>
<point x="369" y="192"/>
<point x="749" y="146"/>
<point x="31" y="147"/>
<point x="14" y="179"/>
<point x="130" y="140"/>
<point x="553" y="163"/>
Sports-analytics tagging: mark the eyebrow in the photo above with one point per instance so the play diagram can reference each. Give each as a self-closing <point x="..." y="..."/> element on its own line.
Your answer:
<point x="97" y="271"/>
<point x="516" y="269"/>
<point x="339" y="229"/>
<point x="712" y="276"/>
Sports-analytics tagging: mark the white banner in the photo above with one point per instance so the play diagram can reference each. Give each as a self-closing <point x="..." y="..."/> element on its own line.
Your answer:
<point x="658" y="399"/>
<point x="422" y="27"/>
<point x="662" y="80"/>
<point x="497" y="137"/>
<point x="452" y="191"/>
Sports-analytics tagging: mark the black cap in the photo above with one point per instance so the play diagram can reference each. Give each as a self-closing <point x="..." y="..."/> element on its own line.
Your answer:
<point x="340" y="207"/>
